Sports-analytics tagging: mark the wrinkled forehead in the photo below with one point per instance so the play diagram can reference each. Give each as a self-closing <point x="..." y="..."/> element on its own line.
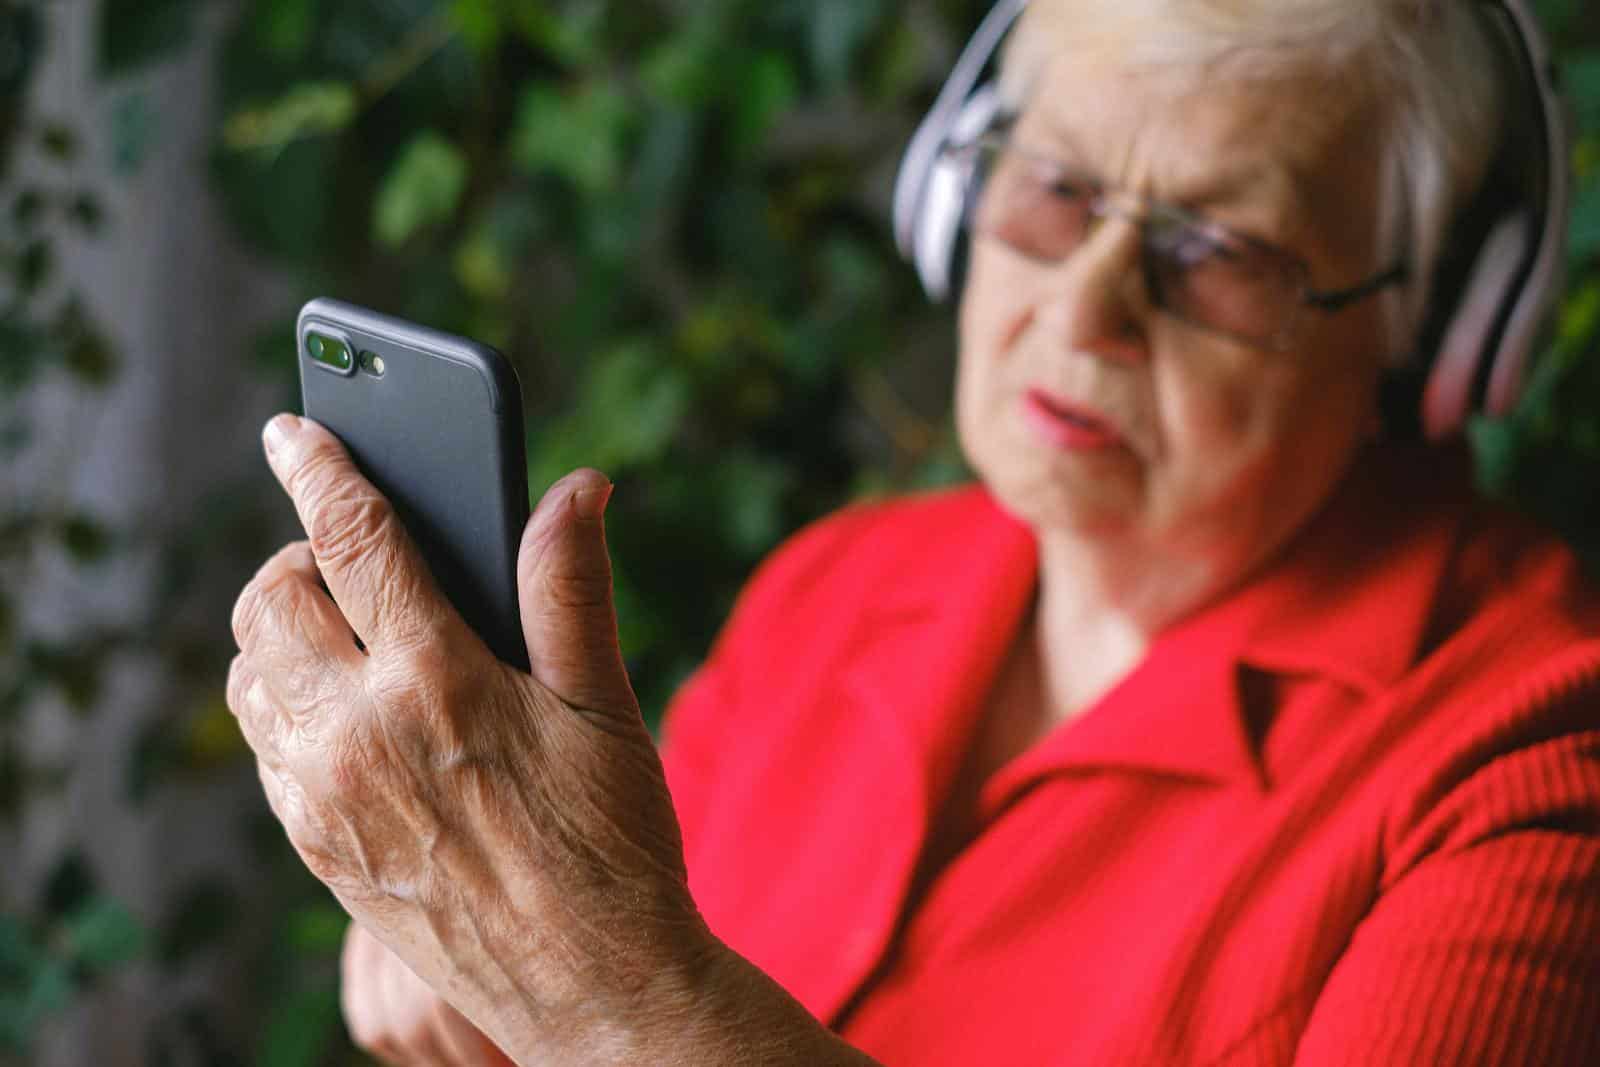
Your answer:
<point x="1292" y="153"/>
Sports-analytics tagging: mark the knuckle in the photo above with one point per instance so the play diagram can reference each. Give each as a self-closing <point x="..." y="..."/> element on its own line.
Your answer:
<point x="260" y="599"/>
<point x="247" y="612"/>
<point x="577" y="590"/>
<point x="347" y="521"/>
<point x="240" y="678"/>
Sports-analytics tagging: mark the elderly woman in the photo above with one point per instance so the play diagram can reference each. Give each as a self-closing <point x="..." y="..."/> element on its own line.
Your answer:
<point x="1215" y="726"/>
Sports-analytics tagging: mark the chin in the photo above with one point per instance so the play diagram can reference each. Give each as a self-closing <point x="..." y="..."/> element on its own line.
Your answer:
<point x="1054" y="494"/>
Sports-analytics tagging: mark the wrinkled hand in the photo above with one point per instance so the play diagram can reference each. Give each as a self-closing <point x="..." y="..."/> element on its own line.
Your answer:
<point x="508" y="836"/>
<point x="398" y="1017"/>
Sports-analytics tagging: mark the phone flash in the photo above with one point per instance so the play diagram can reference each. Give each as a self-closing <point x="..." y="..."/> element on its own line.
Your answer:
<point x="372" y="363"/>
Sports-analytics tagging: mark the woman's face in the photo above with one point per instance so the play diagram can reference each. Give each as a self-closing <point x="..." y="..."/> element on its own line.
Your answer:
<point x="1094" y="415"/>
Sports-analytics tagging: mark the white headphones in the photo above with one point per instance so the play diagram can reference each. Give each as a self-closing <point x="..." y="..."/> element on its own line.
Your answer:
<point x="1484" y="344"/>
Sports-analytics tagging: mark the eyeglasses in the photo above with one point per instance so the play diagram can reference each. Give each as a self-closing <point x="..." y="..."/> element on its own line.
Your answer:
<point x="1193" y="268"/>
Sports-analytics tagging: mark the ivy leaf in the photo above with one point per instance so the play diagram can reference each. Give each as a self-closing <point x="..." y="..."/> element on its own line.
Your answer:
<point x="301" y="1026"/>
<point x="69" y="887"/>
<point x="133" y="133"/>
<point x="684" y="68"/>
<point x="203" y="914"/>
<point x="578" y="137"/>
<point x="310" y="109"/>
<point x="1581" y="75"/>
<point x="27" y="207"/>
<point x="423" y="187"/>
<point x="211" y="738"/>
<point x="478" y="22"/>
<point x="34" y="266"/>
<point x="85" y="540"/>
<point x="135" y="33"/>
<point x="23" y="350"/>
<point x="571" y="35"/>
<point x="16" y="433"/>
<point x="85" y="211"/>
<point x="769" y="87"/>
<point x="102" y="934"/>
<point x="838" y="30"/>
<point x="631" y="407"/>
<point x="88" y="357"/>
<point x="284" y="26"/>
<point x="58" y="142"/>
<point x="317" y="930"/>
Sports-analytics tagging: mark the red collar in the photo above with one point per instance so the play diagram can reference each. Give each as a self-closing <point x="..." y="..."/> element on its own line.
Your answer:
<point x="1348" y="600"/>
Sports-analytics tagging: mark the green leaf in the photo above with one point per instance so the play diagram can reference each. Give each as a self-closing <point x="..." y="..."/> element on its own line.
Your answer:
<point x="8" y="623"/>
<point x="310" y="109"/>
<point x="16" y="433"/>
<point x="478" y="22"/>
<point x="770" y="87"/>
<point x="316" y="931"/>
<point x="85" y="540"/>
<point x="284" y="26"/>
<point x="202" y="916"/>
<point x="571" y="35"/>
<point x="88" y="357"/>
<point x="69" y="887"/>
<point x="103" y="935"/>
<point x="684" y="68"/>
<point x="301" y="1026"/>
<point x="578" y="136"/>
<point x="1557" y="15"/>
<point x="133" y="133"/>
<point x="134" y="33"/>
<point x="85" y="211"/>
<point x="59" y="142"/>
<point x="1584" y="233"/>
<point x="1581" y="75"/>
<point x="838" y="30"/>
<point x="23" y="351"/>
<point x="423" y="187"/>
<point x="34" y="266"/>
<point x="27" y="207"/>
<point x="632" y="405"/>
<point x="752" y="488"/>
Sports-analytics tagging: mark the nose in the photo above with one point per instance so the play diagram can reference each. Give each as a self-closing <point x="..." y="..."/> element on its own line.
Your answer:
<point x="1094" y="301"/>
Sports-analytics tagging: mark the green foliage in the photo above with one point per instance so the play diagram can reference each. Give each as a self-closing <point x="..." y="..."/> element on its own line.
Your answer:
<point x="673" y="217"/>
<point x="670" y="218"/>
<point x="424" y="187"/>
<point x="72" y="938"/>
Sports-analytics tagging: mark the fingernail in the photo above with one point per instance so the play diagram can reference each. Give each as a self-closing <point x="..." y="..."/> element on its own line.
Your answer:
<point x="279" y="429"/>
<point x="590" y="504"/>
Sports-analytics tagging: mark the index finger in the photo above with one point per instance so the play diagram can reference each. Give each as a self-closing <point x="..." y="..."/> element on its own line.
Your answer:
<point x="373" y="569"/>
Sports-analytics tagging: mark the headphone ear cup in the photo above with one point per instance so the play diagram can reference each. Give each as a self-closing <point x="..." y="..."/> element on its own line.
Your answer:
<point x="1464" y="356"/>
<point x="941" y="216"/>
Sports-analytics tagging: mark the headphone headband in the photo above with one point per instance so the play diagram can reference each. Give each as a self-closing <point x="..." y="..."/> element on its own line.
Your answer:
<point x="1482" y="361"/>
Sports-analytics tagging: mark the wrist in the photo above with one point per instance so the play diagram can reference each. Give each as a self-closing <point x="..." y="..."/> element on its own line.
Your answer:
<point x="721" y="1009"/>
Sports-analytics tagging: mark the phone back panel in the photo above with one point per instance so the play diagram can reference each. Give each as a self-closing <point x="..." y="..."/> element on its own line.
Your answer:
<point x="440" y="434"/>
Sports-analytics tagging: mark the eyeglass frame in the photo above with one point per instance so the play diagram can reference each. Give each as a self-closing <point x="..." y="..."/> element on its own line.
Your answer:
<point x="1137" y="208"/>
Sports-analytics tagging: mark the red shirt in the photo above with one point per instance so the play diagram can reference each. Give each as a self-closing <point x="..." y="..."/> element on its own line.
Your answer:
<point x="1349" y="814"/>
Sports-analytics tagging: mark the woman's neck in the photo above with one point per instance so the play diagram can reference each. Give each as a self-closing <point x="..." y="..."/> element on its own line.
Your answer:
<point x="1098" y="612"/>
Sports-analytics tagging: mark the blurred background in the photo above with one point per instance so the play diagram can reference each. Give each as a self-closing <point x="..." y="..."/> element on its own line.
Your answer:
<point x="671" y="214"/>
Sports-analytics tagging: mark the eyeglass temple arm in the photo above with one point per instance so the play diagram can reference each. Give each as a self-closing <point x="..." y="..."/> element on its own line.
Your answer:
<point x="1341" y="298"/>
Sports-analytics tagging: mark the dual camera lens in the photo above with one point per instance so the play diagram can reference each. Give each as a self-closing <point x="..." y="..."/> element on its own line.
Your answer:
<point x="337" y="355"/>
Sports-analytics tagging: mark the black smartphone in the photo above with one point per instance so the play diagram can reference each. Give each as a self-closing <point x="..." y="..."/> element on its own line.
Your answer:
<point x="435" y="422"/>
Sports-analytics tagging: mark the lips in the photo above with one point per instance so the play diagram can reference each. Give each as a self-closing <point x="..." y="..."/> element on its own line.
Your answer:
<point x="1066" y="425"/>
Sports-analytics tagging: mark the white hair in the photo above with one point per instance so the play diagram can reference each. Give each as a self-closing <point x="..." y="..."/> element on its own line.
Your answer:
<point x="1434" y="59"/>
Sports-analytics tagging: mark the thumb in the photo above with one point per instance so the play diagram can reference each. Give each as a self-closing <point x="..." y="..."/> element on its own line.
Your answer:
<point x="564" y="585"/>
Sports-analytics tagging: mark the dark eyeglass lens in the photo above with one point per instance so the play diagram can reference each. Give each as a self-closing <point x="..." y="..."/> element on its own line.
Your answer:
<point x="1231" y="288"/>
<point x="1037" y="213"/>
